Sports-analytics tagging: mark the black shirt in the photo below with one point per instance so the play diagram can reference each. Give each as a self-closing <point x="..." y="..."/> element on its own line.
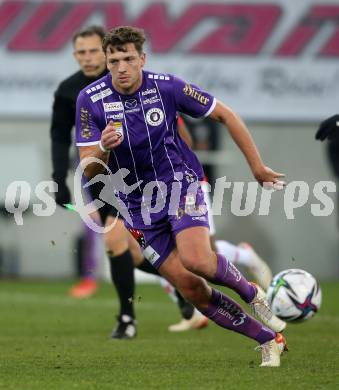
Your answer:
<point x="63" y="120"/>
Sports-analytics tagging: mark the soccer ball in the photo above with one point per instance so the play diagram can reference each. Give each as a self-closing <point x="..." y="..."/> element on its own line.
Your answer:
<point x="294" y="295"/>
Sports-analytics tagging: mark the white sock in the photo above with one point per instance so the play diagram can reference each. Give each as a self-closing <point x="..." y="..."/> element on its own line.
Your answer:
<point x="233" y="253"/>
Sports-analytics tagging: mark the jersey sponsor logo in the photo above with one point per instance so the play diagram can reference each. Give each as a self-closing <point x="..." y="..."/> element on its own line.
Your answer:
<point x="119" y="129"/>
<point x="158" y="77"/>
<point x="203" y="219"/>
<point x="116" y="116"/>
<point x="101" y="95"/>
<point x="132" y="110"/>
<point x="193" y="93"/>
<point x="154" y="116"/>
<point x="148" y="91"/>
<point x="131" y="103"/>
<point x="85" y="132"/>
<point x="151" y="100"/>
<point x="114" y="106"/>
<point x="151" y="254"/>
<point x="95" y="88"/>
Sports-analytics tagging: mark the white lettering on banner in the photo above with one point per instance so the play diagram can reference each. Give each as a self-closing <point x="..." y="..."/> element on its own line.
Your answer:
<point x="101" y="95"/>
<point x="114" y="106"/>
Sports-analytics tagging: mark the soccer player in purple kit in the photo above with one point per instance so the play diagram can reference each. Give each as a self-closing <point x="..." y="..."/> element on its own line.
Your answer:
<point x="128" y="120"/>
<point x="123" y="252"/>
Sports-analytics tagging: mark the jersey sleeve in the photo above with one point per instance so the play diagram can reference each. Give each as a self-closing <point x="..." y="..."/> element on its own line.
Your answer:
<point x="87" y="132"/>
<point x="192" y="100"/>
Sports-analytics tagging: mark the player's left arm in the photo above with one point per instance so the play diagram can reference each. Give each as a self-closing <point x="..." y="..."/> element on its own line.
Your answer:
<point x="184" y="133"/>
<point x="242" y="137"/>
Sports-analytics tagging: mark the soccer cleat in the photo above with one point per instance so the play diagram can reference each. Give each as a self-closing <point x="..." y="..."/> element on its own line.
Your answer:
<point x="125" y="329"/>
<point x="198" y="321"/>
<point x="84" y="289"/>
<point x="260" y="271"/>
<point x="271" y="351"/>
<point x="262" y="310"/>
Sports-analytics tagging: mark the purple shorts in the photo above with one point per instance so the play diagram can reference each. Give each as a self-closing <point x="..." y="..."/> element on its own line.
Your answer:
<point x="158" y="240"/>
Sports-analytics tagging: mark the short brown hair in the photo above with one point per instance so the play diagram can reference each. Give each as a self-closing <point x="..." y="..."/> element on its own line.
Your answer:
<point x="89" y="31"/>
<point x="120" y="36"/>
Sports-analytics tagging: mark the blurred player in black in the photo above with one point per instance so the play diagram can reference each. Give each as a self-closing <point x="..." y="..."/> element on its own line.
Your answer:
<point x="329" y="129"/>
<point x="88" y="53"/>
<point x="123" y="251"/>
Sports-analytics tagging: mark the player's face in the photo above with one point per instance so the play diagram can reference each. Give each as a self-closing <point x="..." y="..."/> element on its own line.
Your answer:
<point x="125" y="67"/>
<point x="89" y="54"/>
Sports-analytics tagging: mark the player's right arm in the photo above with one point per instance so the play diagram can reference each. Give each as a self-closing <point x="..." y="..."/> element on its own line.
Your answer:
<point x="91" y="142"/>
<point x="108" y="141"/>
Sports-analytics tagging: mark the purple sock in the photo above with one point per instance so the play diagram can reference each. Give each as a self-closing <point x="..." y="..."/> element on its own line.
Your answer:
<point x="228" y="275"/>
<point x="90" y="253"/>
<point x="228" y="314"/>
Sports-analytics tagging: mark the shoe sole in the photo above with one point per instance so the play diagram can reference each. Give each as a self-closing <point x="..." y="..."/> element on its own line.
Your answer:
<point x="203" y="323"/>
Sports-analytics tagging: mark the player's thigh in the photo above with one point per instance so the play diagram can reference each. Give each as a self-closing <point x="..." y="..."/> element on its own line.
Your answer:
<point x="194" y="248"/>
<point x="192" y="287"/>
<point x="135" y="250"/>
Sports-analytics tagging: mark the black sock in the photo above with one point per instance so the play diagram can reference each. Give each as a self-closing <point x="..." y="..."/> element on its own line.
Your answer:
<point x="122" y="273"/>
<point x="147" y="267"/>
<point x="186" y="309"/>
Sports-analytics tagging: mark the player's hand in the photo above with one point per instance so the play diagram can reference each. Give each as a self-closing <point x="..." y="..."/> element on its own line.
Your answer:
<point x="269" y="179"/>
<point x="63" y="195"/>
<point x="110" y="139"/>
<point x="329" y="129"/>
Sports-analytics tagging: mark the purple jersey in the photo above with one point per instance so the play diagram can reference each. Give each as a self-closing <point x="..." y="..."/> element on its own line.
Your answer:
<point x="151" y="150"/>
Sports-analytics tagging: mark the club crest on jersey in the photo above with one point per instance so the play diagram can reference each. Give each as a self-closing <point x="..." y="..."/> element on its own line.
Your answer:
<point x="193" y="93"/>
<point x="154" y="116"/>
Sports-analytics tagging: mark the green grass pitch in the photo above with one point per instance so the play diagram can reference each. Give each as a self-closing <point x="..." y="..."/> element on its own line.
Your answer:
<point x="50" y="341"/>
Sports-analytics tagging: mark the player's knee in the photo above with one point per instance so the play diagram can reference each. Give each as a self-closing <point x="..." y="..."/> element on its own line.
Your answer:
<point x="195" y="291"/>
<point x="115" y="245"/>
<point x="197" y="262"/>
